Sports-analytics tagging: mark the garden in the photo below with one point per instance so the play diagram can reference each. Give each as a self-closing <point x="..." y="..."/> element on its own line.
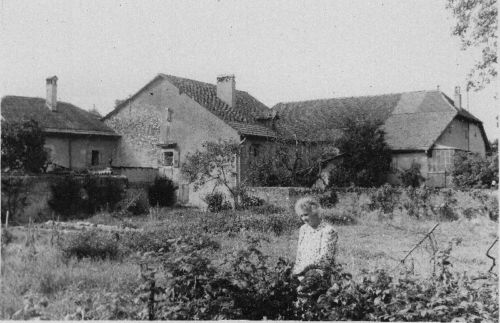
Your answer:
<point x="405" y="254"/>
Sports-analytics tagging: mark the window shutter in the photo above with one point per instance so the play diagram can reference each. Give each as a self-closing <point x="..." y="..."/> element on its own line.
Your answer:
<point x="176" y="158"/>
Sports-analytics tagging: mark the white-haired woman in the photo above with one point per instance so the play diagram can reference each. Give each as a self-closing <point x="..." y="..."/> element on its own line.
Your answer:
<point x="317" y="239"/>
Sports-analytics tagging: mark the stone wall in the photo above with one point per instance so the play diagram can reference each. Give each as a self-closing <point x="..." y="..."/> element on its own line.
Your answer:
<point x="37" y="189"/>
<point x="284" y="197"/>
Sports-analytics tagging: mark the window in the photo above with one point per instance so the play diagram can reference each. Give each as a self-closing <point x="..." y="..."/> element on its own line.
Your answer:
<point x="171" y="158"/>
<point x="441" y="160"/>
<point x="95" y="158"/>
<point x="168" y="158"/>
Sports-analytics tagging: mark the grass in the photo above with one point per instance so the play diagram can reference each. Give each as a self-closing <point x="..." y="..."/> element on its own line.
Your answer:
<point x="372" y="242"/>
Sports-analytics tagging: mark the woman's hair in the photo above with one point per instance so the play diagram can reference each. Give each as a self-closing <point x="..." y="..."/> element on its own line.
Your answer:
<point x="307" y="203"/>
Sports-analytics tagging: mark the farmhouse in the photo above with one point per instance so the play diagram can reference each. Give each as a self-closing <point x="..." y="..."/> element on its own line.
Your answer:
<point x="425" y="127"/>
<point x="75" y="138"/>
<point x="171" y="117"/>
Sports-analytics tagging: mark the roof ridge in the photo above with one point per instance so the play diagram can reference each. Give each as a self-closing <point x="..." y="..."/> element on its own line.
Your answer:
<point x="351" y="97"/>
<point x="37" y="97"/>
<point x="193" y="80"/>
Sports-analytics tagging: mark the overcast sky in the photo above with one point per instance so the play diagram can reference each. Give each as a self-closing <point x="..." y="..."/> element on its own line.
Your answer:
<point x="279" y="50"/>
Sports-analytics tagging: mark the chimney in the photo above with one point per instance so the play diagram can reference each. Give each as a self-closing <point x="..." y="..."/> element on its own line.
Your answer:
<point x="458" y="97"/>
<point x="226" y="89"/>
<point x="51" y="99"/>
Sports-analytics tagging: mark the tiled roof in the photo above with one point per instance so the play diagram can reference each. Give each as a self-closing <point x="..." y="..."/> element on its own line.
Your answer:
<point x="412" y="120"/>
<point x="247" y="109"/>
<point x="67" y="119"/>
<point x="252" y="129"/>
<point x="243" y="117"/>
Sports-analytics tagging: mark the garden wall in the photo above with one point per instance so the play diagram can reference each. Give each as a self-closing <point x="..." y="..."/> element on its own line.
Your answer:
<point x="286" y="197"/>
<point x="37" y="190"/>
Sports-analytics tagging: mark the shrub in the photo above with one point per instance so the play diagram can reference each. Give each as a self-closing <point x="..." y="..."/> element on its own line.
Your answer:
<point x="102" y="193"/>
<point x="385" y="198"/>
<point x="22" y="146"/>
<point x="7" y="237"/>
<point x="66" y="198"/>
<point x="412" y="176"/>
<point x="418" y="202"/>
<point x="216" y="202"/>
<point x="14" y="195"/>
<point x="136" y="202"/>
<point x="250" y="289"/>
<point x="493" y="208"/>
<point x="91" y="244"/>
<point x="157" y="240"/>
<point x="72" y="196"/>
<point x="329" y="199"/>
<point x="446" y="210"/>
<point x="471" y="170"/>
<point x="267" y="209"/>
<point x="248" y="201"/>
<point x="162" y="192"/>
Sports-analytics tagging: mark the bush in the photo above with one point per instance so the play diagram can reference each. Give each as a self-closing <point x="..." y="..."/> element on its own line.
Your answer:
<point x="251" y="288"/>
<point x="196" y="289"/>
<point x="157" y="240"/>
<point x="7" y="237"/>
<point x="267" y="209"/>
<point x="385" y="198"/>
<point x="216" y="202"/>
<point x="446" y="210"/>
<point x="493" y="208"/>
<point x="23" y="146"/>
<point x="329" y="199"/>
<point x="135" y="202"/>
<point x="471" y="170"/>
<point x="248" y="201"/>
<point x="72" y="196"/>
<point x="103" y="194"/>
<point x="418" y="203"/>
<point x="162" y="192"/>
<point x="412" y="176"/>
<point x="92" y="244"/>
<point x="66" y="198"/>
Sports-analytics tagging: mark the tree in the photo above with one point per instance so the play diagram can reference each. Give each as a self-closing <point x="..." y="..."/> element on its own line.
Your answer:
<point x="476" y="25"/>
<point x="215" y="162"/>
<point x="366" y="157"/>
<point x="22" y="147"/>
<point x="292" y="164"/>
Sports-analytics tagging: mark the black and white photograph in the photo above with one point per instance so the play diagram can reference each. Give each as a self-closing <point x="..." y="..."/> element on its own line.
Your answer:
<point x="249" y="160"/>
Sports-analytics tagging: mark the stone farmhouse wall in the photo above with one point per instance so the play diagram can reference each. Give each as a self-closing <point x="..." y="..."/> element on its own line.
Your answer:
<point x="160" y="115"/>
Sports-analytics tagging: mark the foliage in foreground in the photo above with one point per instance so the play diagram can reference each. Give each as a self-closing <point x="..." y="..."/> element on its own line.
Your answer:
<point x="253" y="289"/>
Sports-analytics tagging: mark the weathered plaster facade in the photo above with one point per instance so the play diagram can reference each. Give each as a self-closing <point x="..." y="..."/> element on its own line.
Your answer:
<point x="464" y="135"/>
<point x="75" y="152"/>
<point x="159" y="119"/>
